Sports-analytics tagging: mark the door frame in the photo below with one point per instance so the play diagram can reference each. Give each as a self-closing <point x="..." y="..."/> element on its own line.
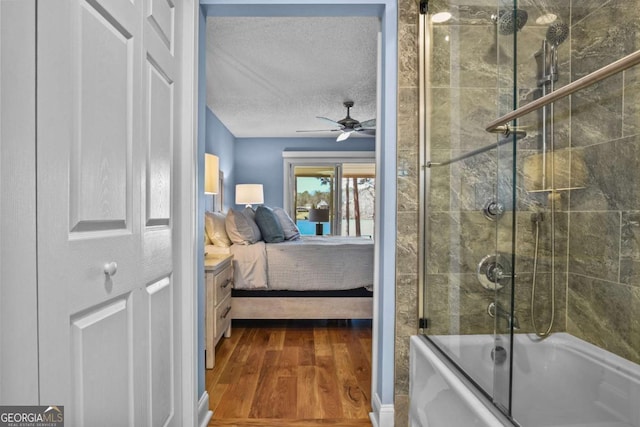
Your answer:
<point x="18" y="281"/>
<point x="383" y="345"/>
<point x="195" y="409"/>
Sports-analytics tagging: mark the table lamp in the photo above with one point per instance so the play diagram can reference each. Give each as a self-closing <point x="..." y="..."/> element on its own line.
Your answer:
<point x="319" y="216"/>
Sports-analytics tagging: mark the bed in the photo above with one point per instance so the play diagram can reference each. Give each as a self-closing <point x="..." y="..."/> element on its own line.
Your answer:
<point x="313" y="277"/>
<point x="279" y="274"/>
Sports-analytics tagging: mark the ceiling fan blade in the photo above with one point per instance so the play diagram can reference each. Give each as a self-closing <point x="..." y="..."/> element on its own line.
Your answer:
<point x="320" y="130"/>
<point x="370" y="124"/>
<point x="366" y="131"/>
<point x="343" y="136"/>
<point x="329" y="120"/>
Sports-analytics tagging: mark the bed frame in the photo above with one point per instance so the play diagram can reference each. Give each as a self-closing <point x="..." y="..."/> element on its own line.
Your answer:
<point x="283" y="306"/>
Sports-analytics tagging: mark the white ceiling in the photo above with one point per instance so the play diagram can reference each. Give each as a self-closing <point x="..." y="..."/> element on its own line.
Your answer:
<point x="271" y="76"/>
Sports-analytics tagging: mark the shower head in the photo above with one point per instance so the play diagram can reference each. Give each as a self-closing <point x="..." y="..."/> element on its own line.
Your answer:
<point x="510" y="21"/>
<point x="557" y="33"/>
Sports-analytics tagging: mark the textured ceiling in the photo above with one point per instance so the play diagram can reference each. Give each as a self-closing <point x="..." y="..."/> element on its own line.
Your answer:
<point x="268" y="77"/>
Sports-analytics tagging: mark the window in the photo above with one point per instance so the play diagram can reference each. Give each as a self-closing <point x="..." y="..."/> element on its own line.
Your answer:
<point x="342" y="183"/>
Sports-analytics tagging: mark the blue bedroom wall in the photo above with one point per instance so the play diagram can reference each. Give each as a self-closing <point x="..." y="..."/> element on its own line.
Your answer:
<point x="259" y="160"/>
<point x="220" y="141"/>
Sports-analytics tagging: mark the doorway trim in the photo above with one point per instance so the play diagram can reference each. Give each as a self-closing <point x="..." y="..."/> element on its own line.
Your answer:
<point x="383" y="334"/>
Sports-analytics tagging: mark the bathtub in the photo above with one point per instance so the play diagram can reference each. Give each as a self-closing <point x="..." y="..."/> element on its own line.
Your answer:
<point x="561" y="381"/>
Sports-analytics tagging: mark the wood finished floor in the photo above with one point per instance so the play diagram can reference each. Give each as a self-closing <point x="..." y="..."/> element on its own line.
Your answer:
<point x="292" y="373"/>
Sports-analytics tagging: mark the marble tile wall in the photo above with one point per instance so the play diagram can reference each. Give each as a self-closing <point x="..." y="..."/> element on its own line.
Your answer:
<point x="604" y="232"/>
<point x="407" y="203"/>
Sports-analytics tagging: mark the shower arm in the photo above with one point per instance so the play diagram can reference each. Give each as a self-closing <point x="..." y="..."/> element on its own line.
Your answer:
<point x="586" y="81"/>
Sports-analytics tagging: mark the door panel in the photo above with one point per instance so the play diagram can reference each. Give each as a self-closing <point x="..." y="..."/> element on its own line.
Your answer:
<point x="161" y="17"/>
<point x="160" y="144"/>
<point x="160" y="65"/>
<point x="97" y="370"/>
<point x="101" y="150"/>
<point x="161" y="350"/>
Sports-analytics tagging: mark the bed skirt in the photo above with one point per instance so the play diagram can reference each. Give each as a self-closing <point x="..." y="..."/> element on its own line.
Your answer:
<point x="350" y="304"/>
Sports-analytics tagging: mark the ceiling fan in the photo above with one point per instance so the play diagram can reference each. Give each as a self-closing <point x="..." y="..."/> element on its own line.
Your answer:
<point x="347" y="126"/>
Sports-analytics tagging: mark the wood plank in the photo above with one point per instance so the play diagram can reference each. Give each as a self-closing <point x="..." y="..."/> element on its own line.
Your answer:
<point x="355" y="401"/>
<point x="223" y="354"/>
<point x="276" y="339"/>
<point x="360" y="358"/>
<point x="216" y="394"/>
<point x="308" y="400"/>
<point x="321" y="342"/>
<point x="328" y="387"/>
<point x="238" y="398"/>
<point x="264" y="397"/>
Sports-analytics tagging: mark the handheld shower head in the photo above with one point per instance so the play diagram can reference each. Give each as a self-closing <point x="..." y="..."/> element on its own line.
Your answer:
<point x="557" y="33"/>
<point x="510" y="21"/>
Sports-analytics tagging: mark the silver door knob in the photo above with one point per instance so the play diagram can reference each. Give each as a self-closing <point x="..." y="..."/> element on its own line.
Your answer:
<point x="110" y="268"/>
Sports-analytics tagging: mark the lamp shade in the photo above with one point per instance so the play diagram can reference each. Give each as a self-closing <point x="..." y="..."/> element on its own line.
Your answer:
<point x="319" y="215"/>
<point x="249" y="194"/>
<point x="211" y="174"/>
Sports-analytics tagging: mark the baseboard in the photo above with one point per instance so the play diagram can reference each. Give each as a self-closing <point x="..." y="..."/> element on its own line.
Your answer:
<point x="204" y="414"/>
<point x="382" y="415"/>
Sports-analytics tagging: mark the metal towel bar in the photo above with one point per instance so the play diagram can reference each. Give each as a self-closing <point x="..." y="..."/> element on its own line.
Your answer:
<point x="588" y="80"/>
<point x="518" y="135"/>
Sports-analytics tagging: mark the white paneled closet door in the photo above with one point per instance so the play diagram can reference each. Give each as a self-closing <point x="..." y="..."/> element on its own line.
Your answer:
<point x="106" y="128"/>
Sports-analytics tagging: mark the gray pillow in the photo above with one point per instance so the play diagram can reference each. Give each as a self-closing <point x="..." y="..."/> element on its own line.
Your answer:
<point x="269" y="225"/>
<point x="249" y="212"/>
<point x="241" y="229"/>
<point x="290" y="229"/>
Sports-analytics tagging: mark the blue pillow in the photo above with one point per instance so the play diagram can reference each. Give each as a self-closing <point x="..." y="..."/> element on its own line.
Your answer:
<point x="269" y="225"/>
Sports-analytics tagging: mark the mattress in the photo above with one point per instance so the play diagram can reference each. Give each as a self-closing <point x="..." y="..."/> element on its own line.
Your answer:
<point x="320" y="263"/>
<point x="311" y="263"/>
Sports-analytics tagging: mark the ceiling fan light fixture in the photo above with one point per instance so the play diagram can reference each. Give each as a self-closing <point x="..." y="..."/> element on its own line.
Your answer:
<point x="440" y="17"/>
<point x="343" y="136"/>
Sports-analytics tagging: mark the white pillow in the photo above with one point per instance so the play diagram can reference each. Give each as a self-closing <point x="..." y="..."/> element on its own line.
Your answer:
<point x="291" y="231"/>
<point x="215" y="229"/>
<point x="241" y="229"/>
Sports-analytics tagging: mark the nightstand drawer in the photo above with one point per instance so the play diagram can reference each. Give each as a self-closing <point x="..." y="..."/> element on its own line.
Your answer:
<point x="222" y="283"/>
<point x="222" y="316"/>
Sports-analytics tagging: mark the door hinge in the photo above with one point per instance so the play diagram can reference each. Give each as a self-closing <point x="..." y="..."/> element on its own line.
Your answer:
<point x="423" y="323"/>
<point x="424" y="7"/>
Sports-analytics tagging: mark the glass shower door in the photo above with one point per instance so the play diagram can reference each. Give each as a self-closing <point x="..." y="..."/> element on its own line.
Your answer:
<point x="530" y="257"/>
<point x="469" y="202"/>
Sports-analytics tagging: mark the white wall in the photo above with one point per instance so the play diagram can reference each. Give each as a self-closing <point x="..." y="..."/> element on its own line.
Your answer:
<point x="18" y="296"/>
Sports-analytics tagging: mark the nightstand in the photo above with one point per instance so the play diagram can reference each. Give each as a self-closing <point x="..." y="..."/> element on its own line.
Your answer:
<point x="218" y="277"/>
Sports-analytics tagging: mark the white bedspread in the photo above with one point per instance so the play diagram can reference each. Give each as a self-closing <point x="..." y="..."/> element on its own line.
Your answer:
<point x="310" y="263"/>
